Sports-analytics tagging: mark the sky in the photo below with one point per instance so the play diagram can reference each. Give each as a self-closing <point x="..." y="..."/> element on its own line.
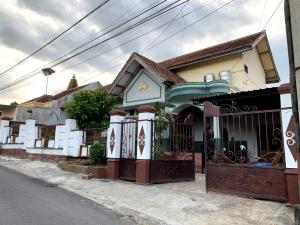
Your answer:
<point x="26" y="25"/>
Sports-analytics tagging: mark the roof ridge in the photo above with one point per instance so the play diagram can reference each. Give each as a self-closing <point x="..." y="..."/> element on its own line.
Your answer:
<point x="162" y="63"/>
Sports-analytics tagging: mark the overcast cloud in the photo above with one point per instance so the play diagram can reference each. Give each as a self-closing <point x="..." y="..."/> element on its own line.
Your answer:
<point x="26" y="25"/>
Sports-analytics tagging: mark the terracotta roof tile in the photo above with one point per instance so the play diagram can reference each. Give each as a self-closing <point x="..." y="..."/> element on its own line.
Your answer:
<point x="42" y="99"/>
<point x="105" y="87"/>
<point x="47" y="98"/>
<point x="162" y="71"/>
<point x="230" y="47"/>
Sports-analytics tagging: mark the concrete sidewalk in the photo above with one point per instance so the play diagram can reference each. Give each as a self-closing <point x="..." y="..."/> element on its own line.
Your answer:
<point x="175" y="203"/>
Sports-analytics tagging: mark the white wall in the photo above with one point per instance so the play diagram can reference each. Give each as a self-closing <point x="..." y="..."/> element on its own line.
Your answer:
<point x="67" y="139"/>
<point x="4" y="130"/>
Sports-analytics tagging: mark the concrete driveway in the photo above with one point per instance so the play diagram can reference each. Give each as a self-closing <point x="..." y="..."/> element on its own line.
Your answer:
<point x="175" y="203"/>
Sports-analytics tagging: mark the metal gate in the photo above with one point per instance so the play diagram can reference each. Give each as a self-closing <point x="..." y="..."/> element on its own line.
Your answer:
<point x="244" y="153"/>
<point x="172" y="156"/>
<point x="128" y="149"/>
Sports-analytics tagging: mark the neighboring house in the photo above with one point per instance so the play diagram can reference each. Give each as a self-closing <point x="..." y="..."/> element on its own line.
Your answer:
<point x="240" y="65"/>
<point x="46" y="109"/>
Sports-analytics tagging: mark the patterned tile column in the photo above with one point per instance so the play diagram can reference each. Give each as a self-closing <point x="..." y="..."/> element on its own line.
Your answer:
<point x="289" y="144"/>
<point x="144" y="146"/>
<point x="113" y="146"/>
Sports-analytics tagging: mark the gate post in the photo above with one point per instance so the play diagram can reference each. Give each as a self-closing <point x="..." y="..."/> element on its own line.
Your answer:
<point x="113" y="144"/>
<point x="144" y="146"/>
<point x="289" y="144"/>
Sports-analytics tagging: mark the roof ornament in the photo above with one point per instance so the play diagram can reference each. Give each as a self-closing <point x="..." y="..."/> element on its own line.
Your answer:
<point x="73" y="83"/>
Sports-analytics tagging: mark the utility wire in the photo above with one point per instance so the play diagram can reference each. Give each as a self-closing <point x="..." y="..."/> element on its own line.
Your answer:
<point x="192" y="24"/>
<point x="148" y="18"/>
<point x="266" y="24"/>
<point x="262" y="14"/>
<point x="185" y="27"/>
<point x="55" y="38"/>
<point x="37" y="71"/>
<point x="124" y="43"/>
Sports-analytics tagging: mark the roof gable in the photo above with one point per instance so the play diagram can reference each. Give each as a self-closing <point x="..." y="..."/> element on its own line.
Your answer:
<point x="133" y="64"/>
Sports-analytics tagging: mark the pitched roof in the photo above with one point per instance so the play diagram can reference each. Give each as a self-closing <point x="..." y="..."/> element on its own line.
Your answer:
<point x="134" y="61"/>
<point x="47" y="98"/>
<point x="67" y="92"/>
<point x="42" y="99"/>
<point x="105" y="87"/>
<point x="227" y="48"/>
<point x="162" y="71"/>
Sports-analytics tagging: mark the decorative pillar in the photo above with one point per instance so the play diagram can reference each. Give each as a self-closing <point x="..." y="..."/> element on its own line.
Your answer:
<point x="144" y="146"/>
<point x="289" y="144"/>
<point x="113" y="146"/>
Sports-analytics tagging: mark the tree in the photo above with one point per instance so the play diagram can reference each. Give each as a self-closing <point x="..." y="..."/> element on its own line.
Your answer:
<point x="13" y="103"/>
<point x="90" y="109"/>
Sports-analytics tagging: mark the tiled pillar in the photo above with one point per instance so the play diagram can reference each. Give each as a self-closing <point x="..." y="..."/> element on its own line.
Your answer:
<point x="289" y="144"/>
<point x="113" y="146"/>
<point x="144" y="146"/>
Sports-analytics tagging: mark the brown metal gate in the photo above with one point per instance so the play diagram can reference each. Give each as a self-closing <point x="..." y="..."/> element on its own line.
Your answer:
<point x="128" y="150"/>
<point x="244" y="153"/>
<point x="172" y="156"/>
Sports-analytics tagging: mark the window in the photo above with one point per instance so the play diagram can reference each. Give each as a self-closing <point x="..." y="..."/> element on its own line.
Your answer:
<point x="246" y="68"/>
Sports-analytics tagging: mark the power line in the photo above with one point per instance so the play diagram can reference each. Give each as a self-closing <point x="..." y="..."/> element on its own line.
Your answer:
<point x="237" y="62"/>
<point x="262" y="14"/>
<point x="171" y="21"/>
<point x="180" y="30"/>
<point x="148" y="18"/>
<point x="266" y="24"/>
<point x="192" y="24"/>
<point x="55" y="38"/>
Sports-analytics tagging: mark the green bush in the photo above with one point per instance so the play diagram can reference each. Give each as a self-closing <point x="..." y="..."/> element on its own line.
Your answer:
<point x="97" y="152"/>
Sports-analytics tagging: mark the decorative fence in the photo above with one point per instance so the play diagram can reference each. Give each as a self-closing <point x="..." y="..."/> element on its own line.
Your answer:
<point x="246" y="137"/>
<point x="172" y="156"/>
<point x="244" y="154"/>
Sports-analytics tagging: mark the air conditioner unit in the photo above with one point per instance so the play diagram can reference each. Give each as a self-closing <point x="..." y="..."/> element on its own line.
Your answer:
<point x="209" y="77"/>
<point x="225" y="75"/>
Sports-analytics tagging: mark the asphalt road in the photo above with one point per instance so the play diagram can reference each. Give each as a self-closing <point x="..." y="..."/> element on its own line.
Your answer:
<point x="27" y="201"/>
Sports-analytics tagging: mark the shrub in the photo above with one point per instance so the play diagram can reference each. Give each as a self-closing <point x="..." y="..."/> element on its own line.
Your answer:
<point x="90" y="109"/>
<point x="97" y="152"/>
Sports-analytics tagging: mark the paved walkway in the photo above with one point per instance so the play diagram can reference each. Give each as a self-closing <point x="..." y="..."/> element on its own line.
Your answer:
<point x="175" y="203"/>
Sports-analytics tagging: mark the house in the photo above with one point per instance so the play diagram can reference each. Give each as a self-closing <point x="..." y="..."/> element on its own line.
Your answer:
<point x="38" y="128"/>
<point x="219" y="107"/>
<point x="46" y="109"/>
<point x="240" y="65"/>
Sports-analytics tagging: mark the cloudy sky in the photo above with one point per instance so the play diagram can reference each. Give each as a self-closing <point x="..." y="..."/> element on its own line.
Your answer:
<point x="26" y="25"/>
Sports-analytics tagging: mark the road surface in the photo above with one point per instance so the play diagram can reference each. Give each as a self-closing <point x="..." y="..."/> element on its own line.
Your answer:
<point x="27" y="201"/>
